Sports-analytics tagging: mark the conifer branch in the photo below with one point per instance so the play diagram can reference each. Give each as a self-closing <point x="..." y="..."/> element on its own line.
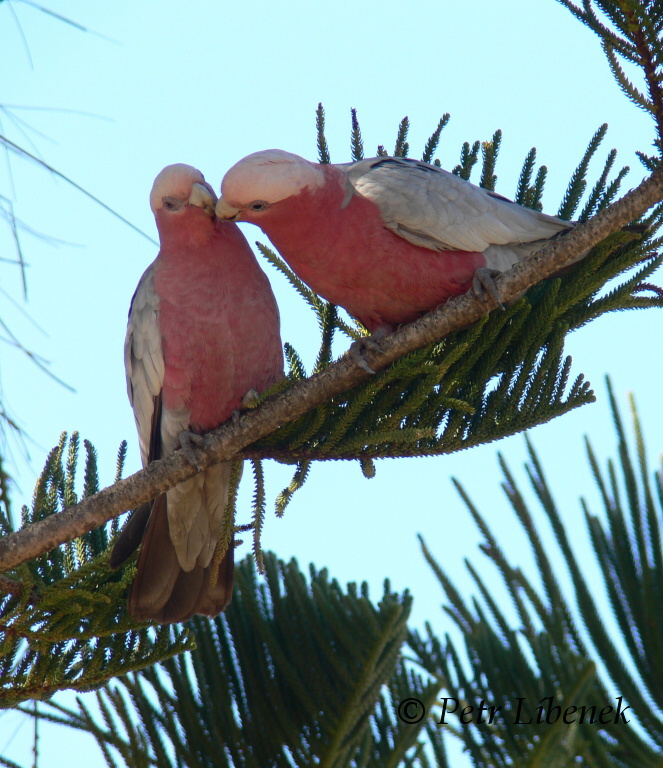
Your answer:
<point x="356" y="142"/>
<point x="232" y="438"/>
<point x="431" y="144"/>
<point x="649" y="68"/>
<point x="323" y="149"/>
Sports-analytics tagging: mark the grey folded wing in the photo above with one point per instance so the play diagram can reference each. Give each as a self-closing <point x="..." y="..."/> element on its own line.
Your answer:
<point x="144" y="368"/>
<point x="435" y="209"/>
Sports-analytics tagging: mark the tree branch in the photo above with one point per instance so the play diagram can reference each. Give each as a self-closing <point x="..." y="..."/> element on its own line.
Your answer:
<point x="231" y="438"/>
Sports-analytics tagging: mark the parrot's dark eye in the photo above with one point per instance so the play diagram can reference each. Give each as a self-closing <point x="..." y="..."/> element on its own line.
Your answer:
<point x="258" y="205"/>
<point x="172" y="203"/>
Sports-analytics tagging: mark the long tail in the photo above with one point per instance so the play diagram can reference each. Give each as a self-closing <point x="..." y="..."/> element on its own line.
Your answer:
<point x="162" y="590"/>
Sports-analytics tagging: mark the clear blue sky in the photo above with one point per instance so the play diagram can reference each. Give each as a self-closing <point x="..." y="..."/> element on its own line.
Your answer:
<point x="155" y="83"/>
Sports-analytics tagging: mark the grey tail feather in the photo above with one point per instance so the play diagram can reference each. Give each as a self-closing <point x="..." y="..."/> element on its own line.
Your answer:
<point x="219" y="594"/>
<point x="162" y="591"/>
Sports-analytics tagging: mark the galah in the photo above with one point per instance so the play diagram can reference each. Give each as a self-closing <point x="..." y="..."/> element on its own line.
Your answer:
<point x="203" y="333"/>
<point x="386" y="238"/>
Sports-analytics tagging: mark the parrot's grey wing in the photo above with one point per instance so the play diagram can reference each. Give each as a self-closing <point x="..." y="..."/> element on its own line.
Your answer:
<point x="433" y="208"/>
<point x="158" y="427"/>
<point x="144" y="366"/>
<point x="144" y="369"/>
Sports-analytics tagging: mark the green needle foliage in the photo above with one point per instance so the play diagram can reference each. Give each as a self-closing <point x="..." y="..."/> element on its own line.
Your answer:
<point x="302" y="674"/>
<point x="630" y="33"/>
<point x="548" y="655"/>
<point x="292" y="674"/>
<point x="68" y="628"/>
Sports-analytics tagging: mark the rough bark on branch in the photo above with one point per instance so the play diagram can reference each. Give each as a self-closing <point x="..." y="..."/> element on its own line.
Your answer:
<point x="231" y="438"/>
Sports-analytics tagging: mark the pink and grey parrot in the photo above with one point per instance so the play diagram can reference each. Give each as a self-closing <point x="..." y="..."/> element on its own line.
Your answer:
<point x="203" y="333"/>
<point x="387" y="238"/>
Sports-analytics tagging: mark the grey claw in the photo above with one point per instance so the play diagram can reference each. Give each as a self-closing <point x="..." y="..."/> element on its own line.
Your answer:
<point x="187" y="440"/>
<point x="371" y="343"/>
<point x="361" y="362"/>
<point x="484" y="286"/>
<point x="358" y="349"/>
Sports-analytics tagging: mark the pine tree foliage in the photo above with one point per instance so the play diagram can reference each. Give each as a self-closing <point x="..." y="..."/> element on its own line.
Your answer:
<point x="68" y="627"/>
<point x="506" y="373"/>
<point x="402" y="147"/>
<point x="490" y="150"/>
<point x="630" y="33"/>
<point x="292" y="674"/>
<point x="356" y="142"/>
<point x="548" y="654"/>
<point x="529" y="194"/>
<point x="431" y="144"/>
<point x="468" y="158"/>
<point x="288" y="654"/>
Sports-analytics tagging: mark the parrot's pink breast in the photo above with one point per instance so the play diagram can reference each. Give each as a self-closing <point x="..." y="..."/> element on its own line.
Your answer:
<point x="219" y="328"/>
<point x="349" y="257"/>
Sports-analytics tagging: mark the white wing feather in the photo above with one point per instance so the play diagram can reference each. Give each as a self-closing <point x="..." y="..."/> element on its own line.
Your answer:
<point x="144" y="368"/>
<point x="433" y="208"/>
<point x="143" y="358"/>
